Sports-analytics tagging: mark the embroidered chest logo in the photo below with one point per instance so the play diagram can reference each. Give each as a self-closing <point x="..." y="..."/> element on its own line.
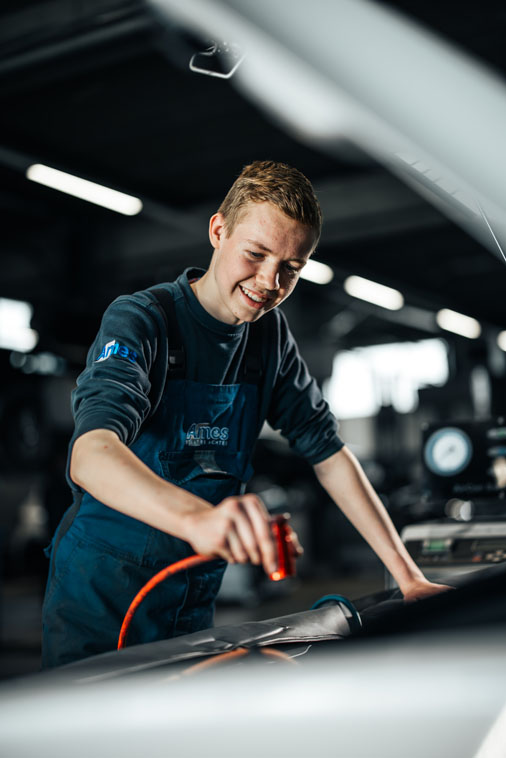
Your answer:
<point x="114" y="348"/>
<point x="205" y="434"/>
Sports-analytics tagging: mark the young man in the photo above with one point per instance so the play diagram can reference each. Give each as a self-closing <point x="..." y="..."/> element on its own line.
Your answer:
<point x="161" y="451"/>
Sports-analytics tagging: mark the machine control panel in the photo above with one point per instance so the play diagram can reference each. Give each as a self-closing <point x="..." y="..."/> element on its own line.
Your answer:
<point x="456" y="544"/>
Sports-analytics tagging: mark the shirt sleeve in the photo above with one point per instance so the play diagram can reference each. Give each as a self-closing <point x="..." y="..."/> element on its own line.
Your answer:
<point x="297" y="406"/>
<point x="114" y="390"/>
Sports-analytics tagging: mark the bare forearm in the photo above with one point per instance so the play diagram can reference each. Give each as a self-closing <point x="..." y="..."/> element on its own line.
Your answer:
<point x="237" y="529"/>
<point x="343" y="478"/>
<point x="106" y="468"/>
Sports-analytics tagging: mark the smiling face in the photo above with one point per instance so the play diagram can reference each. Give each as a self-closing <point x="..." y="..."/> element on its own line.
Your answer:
<point x="256" y="267"/>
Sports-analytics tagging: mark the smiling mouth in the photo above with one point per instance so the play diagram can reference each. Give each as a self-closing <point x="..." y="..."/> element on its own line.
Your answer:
<point x="257" y="300"/>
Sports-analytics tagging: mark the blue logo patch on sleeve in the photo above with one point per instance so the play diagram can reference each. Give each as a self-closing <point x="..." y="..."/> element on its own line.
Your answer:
<point x="114" y="348"/>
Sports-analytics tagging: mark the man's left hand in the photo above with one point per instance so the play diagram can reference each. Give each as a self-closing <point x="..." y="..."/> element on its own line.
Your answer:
<point x="419" y="589"/>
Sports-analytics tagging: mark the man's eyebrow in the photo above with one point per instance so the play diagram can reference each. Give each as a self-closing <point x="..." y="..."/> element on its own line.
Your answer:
<point x="259" y="244"/>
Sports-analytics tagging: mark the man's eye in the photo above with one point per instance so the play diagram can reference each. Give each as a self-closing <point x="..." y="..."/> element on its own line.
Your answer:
<point x="291" y="269"/>
<point x="255" y="255"/>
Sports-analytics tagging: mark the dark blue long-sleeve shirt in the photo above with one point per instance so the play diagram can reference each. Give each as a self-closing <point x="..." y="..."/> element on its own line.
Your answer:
<point x="125" y="372"/>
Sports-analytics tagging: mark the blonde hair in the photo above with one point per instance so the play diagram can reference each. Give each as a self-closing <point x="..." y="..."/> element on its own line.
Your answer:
<point x="276" y="183"/>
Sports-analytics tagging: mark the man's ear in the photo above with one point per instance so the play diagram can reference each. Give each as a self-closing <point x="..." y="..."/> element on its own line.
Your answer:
<point x="217" y="230"/>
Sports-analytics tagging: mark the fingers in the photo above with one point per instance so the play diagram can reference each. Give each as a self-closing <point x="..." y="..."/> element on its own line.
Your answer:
<point x="295" y="545"/>
<point x="242" y="533"/>
<point x="257" y="533"/>
<point x="235" y="547"/>
<point x="260" y="522"/>
<point x="424" y="589"/>
<point x="248" y="534"/>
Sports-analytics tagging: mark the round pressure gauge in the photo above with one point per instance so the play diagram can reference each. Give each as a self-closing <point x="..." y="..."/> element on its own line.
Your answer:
<point x="448" y="451"/>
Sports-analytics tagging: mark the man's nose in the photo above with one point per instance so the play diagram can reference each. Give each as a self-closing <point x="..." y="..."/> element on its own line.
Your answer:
<point x="268" y="277"/>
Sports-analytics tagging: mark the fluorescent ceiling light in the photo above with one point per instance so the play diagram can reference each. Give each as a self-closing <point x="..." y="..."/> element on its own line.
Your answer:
<point x="82" y="188"/>
<point x="316" y="272"/>
<point x="501" y="340"/>
<point x="15" y="332"/>
<point x="458" y="323"/>
<point x="372" y="292"/>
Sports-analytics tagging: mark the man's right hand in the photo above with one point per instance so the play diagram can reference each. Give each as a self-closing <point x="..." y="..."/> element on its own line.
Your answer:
<point x="237" y="529"/>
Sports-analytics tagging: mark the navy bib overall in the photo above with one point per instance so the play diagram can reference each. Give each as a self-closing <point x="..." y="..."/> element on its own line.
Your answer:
<point x="200" y="438"/>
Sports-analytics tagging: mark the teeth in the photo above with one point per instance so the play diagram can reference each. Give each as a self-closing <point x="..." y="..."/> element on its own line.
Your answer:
<point x="252" y="295"/>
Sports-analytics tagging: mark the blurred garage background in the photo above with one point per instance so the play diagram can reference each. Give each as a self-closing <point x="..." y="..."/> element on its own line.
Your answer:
<point x="103" y="90"/>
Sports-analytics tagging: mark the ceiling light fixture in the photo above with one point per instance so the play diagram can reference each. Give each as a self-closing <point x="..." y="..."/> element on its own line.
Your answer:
<point x="316" y="272"/>
<point x="501" y="340"/>
<point x="457" y="323"/>
<point x="372" y="292"/>
<point x="84" y="189"/>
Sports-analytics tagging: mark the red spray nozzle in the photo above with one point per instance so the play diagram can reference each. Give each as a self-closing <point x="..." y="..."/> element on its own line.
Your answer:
<point x="286" y="560"/>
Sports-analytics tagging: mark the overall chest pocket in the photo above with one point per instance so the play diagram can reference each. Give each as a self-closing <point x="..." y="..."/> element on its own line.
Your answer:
<point x="211" y="474"/>
<point x="183" y="466"/>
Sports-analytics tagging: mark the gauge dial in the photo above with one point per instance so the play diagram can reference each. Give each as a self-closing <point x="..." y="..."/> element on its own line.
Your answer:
<point x="448" y="451"/>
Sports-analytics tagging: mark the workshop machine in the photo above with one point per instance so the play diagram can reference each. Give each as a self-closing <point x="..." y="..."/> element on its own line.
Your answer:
<point x="465" y="473"/>
<point x="446" y="548"/>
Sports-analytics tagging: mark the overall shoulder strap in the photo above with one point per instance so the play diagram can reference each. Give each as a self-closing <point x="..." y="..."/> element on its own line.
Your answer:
<point x="252" y="364"/>
<point x="176" y="368"/>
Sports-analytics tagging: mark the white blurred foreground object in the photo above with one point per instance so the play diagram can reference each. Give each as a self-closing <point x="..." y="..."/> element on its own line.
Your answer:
<point x="494" y="745"/>
<point x="432" y="696"/>
<point x="357" y="70"/>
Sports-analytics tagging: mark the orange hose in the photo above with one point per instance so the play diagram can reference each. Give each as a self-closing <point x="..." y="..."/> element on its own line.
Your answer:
<point x="174" y="568"/>
<point x="230" y="655"/>
<point x="239" y="652"/>
<point x="271" y="652"/>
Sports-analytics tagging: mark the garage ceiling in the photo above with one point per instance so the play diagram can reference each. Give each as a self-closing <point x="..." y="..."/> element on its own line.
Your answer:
<point x="100" y="90"/>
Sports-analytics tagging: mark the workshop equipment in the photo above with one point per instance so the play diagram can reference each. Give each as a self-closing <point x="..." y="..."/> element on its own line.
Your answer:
<point x="447" y="548"/>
